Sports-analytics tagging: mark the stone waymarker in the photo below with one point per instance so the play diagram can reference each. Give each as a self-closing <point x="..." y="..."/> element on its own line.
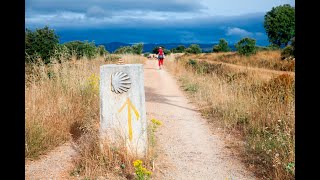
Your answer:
<point x="122" y="107"/>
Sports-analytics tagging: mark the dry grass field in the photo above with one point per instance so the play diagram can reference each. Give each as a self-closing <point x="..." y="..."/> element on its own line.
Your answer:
<point x="258" y="105"/>
<point x="262" y="59"/>
<point x="62" y="104"/>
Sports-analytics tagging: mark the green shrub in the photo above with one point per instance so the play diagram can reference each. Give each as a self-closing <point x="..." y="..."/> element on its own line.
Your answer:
<point x="61" y="52"/>
<point x="287" y="52"/>
<point x="192" y="62"/>
<point x="246" y="46"/>
<point x="102" y="50"/>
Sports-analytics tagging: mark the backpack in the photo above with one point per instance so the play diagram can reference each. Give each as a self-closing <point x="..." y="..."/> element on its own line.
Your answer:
<point x="160" y="56"/>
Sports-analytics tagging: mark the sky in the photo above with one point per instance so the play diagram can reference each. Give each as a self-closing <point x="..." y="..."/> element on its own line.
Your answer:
<point x="151" y="21"/>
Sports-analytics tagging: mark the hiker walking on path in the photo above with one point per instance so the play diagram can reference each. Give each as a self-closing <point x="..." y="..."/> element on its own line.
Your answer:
<point x="160" y="57"/>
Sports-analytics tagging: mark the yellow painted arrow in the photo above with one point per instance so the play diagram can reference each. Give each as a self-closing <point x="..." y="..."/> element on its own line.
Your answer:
<point x="130" y="105"/>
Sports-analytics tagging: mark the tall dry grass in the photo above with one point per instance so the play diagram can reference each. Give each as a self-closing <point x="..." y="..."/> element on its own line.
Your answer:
<point x="262" y="59"/>
<point x="62" y="104"/>
<point x="261" y="109"/>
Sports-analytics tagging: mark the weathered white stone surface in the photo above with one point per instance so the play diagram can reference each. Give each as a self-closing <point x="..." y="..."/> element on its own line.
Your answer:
<point x="114" y="106"/>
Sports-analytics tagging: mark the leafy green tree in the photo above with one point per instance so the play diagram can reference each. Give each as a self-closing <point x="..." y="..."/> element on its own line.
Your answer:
<point x="221" y="47"/>
<point x="279" y="24"/>
<point x="246" y="46"/>
<point x="194" y="49"/>
<point x="40" y="43"/>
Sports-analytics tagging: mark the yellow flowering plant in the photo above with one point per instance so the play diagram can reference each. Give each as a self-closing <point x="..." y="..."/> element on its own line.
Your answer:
<point x="141" y="172"/>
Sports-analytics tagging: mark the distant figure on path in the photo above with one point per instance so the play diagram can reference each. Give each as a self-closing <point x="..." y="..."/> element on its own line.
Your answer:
<point x="160" y="57"/>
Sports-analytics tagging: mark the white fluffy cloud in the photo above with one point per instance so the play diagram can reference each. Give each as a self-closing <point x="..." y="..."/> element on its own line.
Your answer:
<point x="238" y="32"/>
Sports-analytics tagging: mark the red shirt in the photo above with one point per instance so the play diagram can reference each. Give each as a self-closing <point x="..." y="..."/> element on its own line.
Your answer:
<point x="160" y="51"/>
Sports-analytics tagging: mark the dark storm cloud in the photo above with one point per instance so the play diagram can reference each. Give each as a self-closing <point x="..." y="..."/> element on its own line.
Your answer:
<point x="114" y="5"/>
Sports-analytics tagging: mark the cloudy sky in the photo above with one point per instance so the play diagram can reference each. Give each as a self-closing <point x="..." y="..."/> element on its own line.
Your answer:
<point x="150" y="21"/>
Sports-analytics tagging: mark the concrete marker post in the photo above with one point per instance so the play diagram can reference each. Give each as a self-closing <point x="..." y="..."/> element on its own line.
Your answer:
<point x="122" y="107"/>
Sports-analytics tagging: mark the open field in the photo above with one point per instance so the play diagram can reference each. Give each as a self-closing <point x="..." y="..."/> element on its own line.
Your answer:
<point x="262" y="59"/>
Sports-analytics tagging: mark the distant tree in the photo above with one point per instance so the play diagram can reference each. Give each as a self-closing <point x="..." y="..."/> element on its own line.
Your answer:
<point x="40" y="43"/>
<point x="166" y="51"/>
<point x="90" y="50"/>
<point x="279" y="24"/>
<point x="124" y="50"/>
<point x="82" y="49"/>
<point x="134" y="49"/>
<point x="194" y="49"/>
<point x="178" y="49"/>
<point x="137" y="48"/>
<point x="246" y="46"/>
<point x="102" y="50"/>
<point x="221" y="47"/>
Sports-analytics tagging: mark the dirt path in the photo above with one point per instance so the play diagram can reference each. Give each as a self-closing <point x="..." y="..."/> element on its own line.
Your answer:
<point x="57" y="164"/>
<point x="189" y="149"/>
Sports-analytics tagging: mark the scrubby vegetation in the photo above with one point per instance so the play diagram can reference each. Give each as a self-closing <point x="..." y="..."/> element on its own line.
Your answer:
<point x="270" y="59"/>
<point x="134" y="49"/>
<point x="178" y="49"/>
<point x="43" y="44"/>
<point x="241" y="101"/>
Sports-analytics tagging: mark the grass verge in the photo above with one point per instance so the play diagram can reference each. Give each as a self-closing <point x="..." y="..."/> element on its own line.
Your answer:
<point x="261" y="109"/>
